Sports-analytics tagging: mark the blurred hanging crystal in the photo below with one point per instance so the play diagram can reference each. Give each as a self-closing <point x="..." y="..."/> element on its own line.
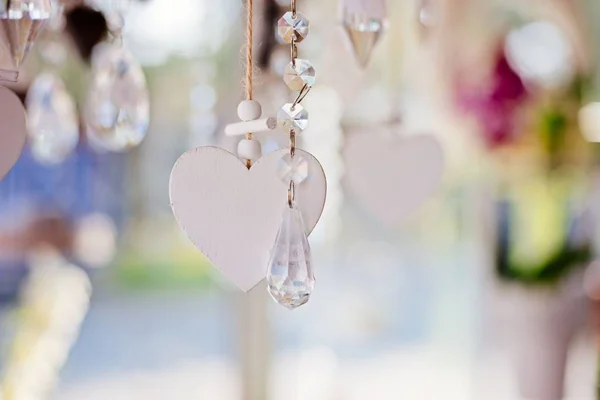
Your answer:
<point x="51" y="119"/>
<point x="364" y="22"/>
<point x="299" y="73"/>
<point x="53" y="48"/>
<point x="290" y="275"/>
<point x="22" y="21"/>
<point x="293" y="26"/>
<point x="293" y="168"/>
<point x="293" y="117"/>
<point x="426" y="13"/>
<point x="118" y="106"/>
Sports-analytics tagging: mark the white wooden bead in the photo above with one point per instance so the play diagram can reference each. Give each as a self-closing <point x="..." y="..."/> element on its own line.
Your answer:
<point x="249" y="110"/>
<point x="249" y="149"/>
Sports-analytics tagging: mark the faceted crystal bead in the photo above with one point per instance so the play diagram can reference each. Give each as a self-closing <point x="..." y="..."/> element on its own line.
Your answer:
<point x="299" y="73"/>
<point x="118" y="106"/>
<point x="21" y="20"/>
<point x="293" y="169"/>
<point x="295" y="118"/>
<point x="52" y="121"/>
<point x="290" y="26"/>
<point x="290" y="275"/>
<point x="364" y="33"/>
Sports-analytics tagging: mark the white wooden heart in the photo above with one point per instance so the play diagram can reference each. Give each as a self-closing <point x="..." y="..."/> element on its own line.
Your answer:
<point x="13" y="130"/>
<point x="232" y="214"/>
<point x="392" y="176"/>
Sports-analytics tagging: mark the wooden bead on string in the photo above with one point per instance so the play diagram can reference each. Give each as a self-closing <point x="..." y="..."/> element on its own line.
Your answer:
<point x="249" y="110"/>
<point x="249" y="149"/>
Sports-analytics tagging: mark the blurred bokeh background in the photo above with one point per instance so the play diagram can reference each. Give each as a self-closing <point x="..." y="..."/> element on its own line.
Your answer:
<point x="486" y="290"/>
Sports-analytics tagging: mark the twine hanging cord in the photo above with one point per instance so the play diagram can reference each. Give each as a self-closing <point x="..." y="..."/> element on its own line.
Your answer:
<point x="248" y="85"/>
<point x="249" y="61"/>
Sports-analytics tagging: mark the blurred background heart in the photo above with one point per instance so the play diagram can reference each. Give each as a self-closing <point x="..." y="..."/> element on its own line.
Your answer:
<point x="390" y="174"/>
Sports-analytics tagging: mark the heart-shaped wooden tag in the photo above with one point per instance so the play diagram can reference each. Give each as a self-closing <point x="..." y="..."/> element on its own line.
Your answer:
<point x="13" y="130"/>
<point x="392" y="176"/>
<point x="232" y="214"/>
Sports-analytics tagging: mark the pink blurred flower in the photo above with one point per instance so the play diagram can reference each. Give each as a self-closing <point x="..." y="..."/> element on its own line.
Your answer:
<point x="495" y="103"/>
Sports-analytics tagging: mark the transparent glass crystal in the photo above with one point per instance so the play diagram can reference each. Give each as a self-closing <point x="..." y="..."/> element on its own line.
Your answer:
<point x="298" y="74"/>
<point x="118" y="106"/>
<point x="52" y="122"/>
<point x="290" y="26"/>
<point x="364" y="33"/>
<point x="290" y="275"/>
<point x="293" y="169"/>
<point x="295" y="117"/>
<point x="22" y="21"/>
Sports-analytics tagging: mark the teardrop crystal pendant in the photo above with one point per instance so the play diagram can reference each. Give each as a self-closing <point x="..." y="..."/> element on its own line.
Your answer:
<point x="52" y="122"/>
<point x="364" y="33"/>
<point x="290" y="275"/>
<point x="118" y="106"/>
<point x="22" y="21"/>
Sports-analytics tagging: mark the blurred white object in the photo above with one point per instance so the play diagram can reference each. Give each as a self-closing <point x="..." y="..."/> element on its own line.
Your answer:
<point x="118" y="106"/>
<point x="55" y="301"/>
<point x="541" y="53"/>
<point x="541" y="323"/>
<point x="589" y="121"/>
<point x="392" y="176"/>
<point x="364" y="22"/>
<point x="95" y="240"/>
<point x="426" y="12"/>
<point x="52" y="121"/>
<point x="159" y="29"/>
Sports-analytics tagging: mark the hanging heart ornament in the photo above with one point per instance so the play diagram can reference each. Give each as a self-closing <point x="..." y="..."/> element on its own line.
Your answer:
<point x="391" y="176"/>
<point x="232" y="213"/>
<point x="13" y="130"/>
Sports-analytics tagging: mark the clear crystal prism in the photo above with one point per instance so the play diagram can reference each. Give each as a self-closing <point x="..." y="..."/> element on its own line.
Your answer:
<point x="290" y="275"/>
<point x="293" y="169"/>
<point x="299" y="73"/>
<point x="293" y="26"/>
<point x="364" y="33"/>
<point x="118" y="105"/>
<point x="293" y="117"/>
<point x="52" y="121"/>
<point x="22" y="21"/>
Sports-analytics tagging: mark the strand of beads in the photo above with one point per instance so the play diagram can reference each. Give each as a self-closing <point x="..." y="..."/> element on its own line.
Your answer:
<point x="249" y="148"/>
<point x="290" y="275"/>
<point x="299" y="76"/>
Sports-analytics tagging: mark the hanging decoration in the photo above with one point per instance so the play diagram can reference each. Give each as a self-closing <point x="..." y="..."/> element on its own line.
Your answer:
<point x="364" y="22"/>
<point x="426" y="16"/>
<point x="117" y="111"/>
<point x="290" y="274"/>
<point x="22" y="21"/>
<point x="230" y="207"/>
<point x="52" y="121"/>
